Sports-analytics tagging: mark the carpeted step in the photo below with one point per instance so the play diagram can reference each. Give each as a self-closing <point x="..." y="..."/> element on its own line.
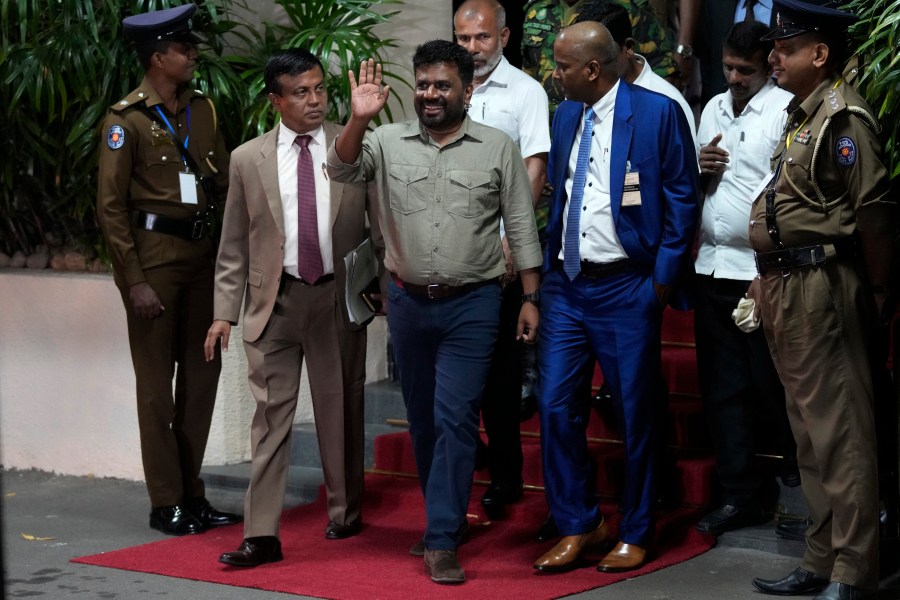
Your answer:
<point x="690" y="484"/>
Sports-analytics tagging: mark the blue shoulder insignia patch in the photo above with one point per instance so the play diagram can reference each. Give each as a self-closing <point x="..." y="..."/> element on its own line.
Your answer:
<point x="115" y="138"/>
<point x="845" y="152"/>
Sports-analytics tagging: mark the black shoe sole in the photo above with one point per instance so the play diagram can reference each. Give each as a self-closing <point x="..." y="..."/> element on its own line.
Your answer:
<point x="230" y="563"/>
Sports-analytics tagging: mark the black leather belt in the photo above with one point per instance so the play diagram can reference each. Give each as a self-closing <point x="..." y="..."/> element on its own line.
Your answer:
<point x="439" y="291"/>
<point x="323" y="279"/>
<point x="189" y="229"/>
<point x="806" y="256"/>
<point x="593" y="270"/>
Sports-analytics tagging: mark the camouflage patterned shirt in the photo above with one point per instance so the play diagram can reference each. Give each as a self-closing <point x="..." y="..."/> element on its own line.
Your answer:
<point x="544" y="18"/>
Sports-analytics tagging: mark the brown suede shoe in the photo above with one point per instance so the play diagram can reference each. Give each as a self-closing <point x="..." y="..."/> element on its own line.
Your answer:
<point x="624" y="557"/>
<point x="570" y="552"/>
<point x="443" y="566"/>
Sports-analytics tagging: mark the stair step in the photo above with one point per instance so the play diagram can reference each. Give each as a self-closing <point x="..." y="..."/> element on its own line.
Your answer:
<point x="693" y="479"/>
<point x="303" y="483"/>
<point x="305" y="444"/>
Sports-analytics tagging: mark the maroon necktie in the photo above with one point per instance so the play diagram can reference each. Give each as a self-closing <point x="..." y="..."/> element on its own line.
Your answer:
<point x="309" y="259"/>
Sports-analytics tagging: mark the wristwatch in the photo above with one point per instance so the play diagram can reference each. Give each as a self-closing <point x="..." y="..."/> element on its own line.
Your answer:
<point x="533" y="297"/>
<point x="684" y="50"/>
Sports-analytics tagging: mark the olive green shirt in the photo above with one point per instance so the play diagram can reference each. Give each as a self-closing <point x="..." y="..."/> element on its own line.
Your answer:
<point x="439" y="207"/>
<point x="139" y="171"/>
<point x="848" y="170"/>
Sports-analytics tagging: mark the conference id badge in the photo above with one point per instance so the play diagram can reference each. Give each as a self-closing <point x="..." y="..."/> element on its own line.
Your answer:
<point x="188" y="184"/>
<point x="631" y="193"/>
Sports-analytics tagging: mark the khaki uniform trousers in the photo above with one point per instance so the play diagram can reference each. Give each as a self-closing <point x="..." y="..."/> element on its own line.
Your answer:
<point x="174" y="428"/>
<point x="818" y="324"/>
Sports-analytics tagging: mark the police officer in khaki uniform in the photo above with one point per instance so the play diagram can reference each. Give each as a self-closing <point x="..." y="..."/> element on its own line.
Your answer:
<point x="156" y="144"/>
<point x="822" y="235"/>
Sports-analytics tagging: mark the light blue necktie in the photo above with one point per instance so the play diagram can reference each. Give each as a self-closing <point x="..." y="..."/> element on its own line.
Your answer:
<point x="571" y="255"/>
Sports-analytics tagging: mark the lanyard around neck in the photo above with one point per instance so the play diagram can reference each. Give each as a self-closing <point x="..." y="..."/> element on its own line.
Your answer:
<point x="171" y="129"/>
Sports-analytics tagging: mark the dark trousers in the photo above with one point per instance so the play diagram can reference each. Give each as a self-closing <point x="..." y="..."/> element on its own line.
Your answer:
<point x="174" y="426"/>
<point x="742" y="395"/>
<point x="443" y="350"/>
<point x="503" y="395"/>
<point x="617" y="319"/>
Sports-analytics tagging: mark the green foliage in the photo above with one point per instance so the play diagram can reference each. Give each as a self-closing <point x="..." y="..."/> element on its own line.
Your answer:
<point x="63" y="63"/>
<point x="876" y="38"/>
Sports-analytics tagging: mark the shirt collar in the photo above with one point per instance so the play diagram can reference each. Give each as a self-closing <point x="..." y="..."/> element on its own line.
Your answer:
<point x="286" y="135"/>
<point x="153" y="98"/>
<point x="499" y="76"/>
<point x="604" y="105"/>
<point x="422" y="134"/>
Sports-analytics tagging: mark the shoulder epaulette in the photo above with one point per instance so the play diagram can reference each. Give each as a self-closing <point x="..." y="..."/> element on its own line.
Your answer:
<point x="135" y="97"/>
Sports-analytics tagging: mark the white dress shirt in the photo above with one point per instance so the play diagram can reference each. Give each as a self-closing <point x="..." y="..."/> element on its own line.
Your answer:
<point x="287" y="153"/>
<point x="599" y="241"/>
<point x="750" y="139"/>
<point x="516" y="104"/>
<point x="649" y="80"/>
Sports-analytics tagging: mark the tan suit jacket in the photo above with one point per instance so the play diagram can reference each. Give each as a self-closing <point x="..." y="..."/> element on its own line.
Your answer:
<point x="310" y="325"/>
<point x="251" y="253"/>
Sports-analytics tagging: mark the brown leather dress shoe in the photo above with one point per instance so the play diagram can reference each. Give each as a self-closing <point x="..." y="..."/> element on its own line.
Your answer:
<point x="624" y="557"/>
<point x="443" y="567"/>
<point x="570" y="552"/>
<point x="254" y="551"/>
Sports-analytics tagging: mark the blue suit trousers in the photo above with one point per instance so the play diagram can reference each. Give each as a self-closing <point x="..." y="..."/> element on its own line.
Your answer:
<point x="617" y="319"/>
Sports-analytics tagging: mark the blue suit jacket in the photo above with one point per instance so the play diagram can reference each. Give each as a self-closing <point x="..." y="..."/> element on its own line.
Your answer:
<point x="650" y="133"/>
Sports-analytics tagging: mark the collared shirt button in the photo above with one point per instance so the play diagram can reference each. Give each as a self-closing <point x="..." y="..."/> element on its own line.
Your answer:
<point x="165" y="157"/>
<point x="752" y="222"/>
<point x="790" y="159"/>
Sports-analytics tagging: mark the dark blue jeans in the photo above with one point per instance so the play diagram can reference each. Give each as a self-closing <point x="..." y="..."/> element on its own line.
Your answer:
<point x="443" y="350"/>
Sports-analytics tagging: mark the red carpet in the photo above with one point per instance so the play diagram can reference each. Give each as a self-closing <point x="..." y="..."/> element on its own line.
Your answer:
<point x="376" y="564"/>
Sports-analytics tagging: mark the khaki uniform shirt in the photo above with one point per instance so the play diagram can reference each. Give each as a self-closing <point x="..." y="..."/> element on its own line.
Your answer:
<point x="439" y="207"/>
<point x="833" y="180"/>
<point x="139" y="167"/>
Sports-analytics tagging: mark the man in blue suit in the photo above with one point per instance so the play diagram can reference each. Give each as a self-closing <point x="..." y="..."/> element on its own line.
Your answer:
<point x="619" y="238"/>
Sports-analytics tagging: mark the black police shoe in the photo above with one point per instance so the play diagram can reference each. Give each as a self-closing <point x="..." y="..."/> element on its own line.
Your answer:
<point x="175" y="520"/>
<point x="799" y="581"/>
<point x="210" y="517"/>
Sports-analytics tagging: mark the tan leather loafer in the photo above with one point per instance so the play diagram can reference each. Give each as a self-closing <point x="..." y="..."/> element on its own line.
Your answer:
<point x="569" y="553"/>
<point x="624" y="557"/>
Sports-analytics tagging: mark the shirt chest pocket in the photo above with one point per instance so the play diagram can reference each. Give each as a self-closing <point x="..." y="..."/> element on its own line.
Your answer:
<point x="162" y="155"/>
<point x="409" y="188"/>
<point x="470" y="192"/>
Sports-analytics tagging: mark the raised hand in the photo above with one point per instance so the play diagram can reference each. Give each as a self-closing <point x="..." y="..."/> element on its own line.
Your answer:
<point x="367" y="96"/>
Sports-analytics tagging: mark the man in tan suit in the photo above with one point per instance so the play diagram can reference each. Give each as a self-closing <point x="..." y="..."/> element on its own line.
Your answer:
<point x="286" y="230"/>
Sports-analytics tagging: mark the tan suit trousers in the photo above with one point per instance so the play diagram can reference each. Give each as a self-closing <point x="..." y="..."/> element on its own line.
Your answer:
<point x="306" y="322"/>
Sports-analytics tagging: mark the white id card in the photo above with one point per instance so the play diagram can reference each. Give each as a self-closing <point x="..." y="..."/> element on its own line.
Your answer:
<point x="631" y="193"/>
<point x="188" y="184"/>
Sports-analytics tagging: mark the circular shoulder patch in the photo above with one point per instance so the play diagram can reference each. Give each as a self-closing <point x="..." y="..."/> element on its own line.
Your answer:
<point x="845" y="151"/>
<point x="115" y="138"/>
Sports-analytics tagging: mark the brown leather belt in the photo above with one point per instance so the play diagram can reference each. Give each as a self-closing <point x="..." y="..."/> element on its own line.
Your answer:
<point x="189" y="229"/>
<point x="439" y="291"/>
<point x="805" y="256"/>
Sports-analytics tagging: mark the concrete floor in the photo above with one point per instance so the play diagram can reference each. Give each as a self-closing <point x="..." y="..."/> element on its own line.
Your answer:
<point x="85" y="516"/>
